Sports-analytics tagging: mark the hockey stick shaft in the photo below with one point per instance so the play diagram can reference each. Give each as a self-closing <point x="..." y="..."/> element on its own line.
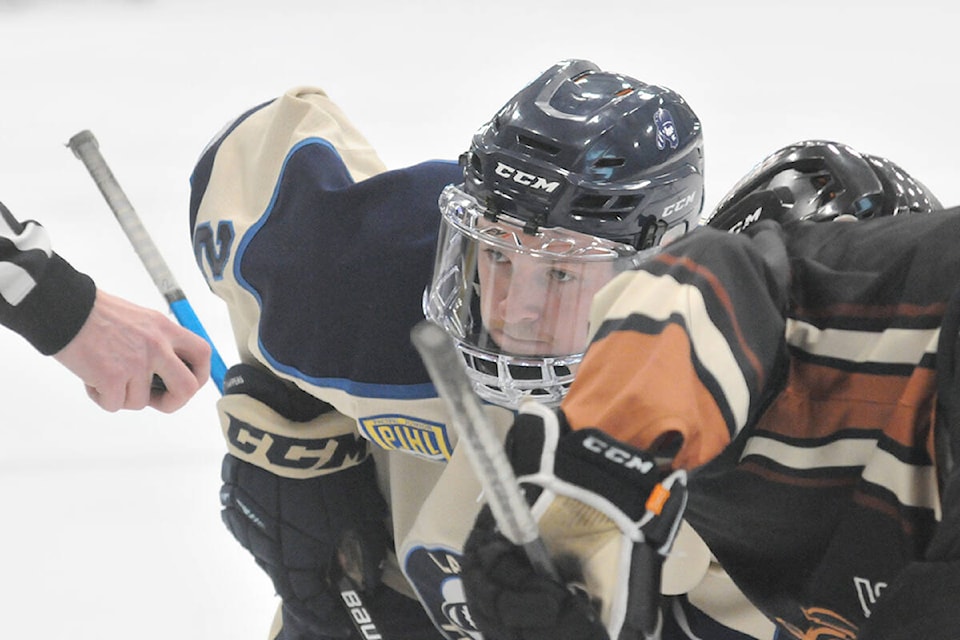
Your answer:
<point x="87" y="149"/>
<point x="84" y="145"/>
<point x="486" y="454"/>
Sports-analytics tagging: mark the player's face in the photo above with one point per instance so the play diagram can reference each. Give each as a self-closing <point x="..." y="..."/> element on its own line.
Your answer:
<point x="504" y="290"/>
<point x="534" y="305"/>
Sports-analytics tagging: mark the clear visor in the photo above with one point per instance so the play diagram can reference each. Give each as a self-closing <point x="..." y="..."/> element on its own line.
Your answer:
<point x="501" y="290"/>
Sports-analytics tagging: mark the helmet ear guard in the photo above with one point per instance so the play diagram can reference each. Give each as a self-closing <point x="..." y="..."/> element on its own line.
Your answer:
<point x="820" y="180"/>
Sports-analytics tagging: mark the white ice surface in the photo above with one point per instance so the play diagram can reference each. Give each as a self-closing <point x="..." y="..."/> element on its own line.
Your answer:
<point x="109" y="523"/>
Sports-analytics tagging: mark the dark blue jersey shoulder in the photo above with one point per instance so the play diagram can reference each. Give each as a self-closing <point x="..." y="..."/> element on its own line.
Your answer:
<point x="339" y="268"/>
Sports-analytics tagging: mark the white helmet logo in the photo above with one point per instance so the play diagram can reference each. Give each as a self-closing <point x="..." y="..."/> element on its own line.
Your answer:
<point x="524" y="178"/>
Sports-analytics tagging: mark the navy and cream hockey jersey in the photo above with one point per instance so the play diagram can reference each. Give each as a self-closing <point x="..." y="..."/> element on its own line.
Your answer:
<point x="322" y="256"/>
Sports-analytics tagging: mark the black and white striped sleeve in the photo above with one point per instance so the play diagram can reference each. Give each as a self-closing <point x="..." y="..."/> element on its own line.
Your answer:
<point x="42" y="297"/>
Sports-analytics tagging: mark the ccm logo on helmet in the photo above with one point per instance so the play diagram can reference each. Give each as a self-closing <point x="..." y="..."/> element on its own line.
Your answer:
<point x="671" y="209"/>
<point x="746" y="222"/>
<point x="524" y="178"/>
<point x="616" y="454"/>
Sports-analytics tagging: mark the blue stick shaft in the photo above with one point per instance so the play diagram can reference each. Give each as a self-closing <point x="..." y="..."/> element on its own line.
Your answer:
<point x="188" y="318"/>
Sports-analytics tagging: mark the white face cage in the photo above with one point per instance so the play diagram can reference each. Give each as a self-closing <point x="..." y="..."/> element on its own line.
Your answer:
<point x="515" y="302"/>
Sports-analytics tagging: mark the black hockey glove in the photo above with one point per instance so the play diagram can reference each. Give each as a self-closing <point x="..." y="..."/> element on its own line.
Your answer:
<point x="303" y="530"/>
<point x="600" y="501"/>
<point x="509" y="600"/>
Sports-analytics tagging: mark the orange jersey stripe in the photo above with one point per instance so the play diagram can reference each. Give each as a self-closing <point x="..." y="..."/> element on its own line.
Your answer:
<point x="638" y="388"/>
<point x="820" y="400"/>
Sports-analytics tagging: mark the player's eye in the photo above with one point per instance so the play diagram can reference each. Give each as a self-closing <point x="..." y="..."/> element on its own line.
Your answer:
<point x="496" y="256"/>
<point x="559" y="275"/>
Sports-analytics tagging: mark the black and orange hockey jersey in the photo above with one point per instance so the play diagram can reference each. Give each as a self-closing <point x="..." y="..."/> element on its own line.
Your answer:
<point x="807" y="410"/>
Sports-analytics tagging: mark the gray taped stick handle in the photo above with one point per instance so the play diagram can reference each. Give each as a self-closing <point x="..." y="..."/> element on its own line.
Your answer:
<point x="85" y="146"/>
<point x="486" y="454"/>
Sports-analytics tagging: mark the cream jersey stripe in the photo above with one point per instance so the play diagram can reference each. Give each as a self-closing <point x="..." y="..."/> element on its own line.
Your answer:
<point x="663" y="296"/>
<point x="891" y="346"/>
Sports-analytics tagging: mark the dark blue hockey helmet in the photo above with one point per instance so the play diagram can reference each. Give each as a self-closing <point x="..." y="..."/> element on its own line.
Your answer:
<point x="579" y="176"/>
<point x="820" y="180"/>
<point x="591" y="151"/>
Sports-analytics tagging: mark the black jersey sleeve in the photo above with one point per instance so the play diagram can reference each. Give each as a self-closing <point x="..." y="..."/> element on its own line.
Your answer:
<point x="42" y="297"/>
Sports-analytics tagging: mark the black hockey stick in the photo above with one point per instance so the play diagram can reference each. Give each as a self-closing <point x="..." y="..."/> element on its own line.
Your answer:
<point x="85" y="146"/>
<point x="350" y="559"/>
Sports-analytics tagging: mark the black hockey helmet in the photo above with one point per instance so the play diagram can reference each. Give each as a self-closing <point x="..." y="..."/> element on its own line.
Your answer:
<point x="591" y="151"/>
<point x="578" y="177"/>
<point x="820" y="180"/>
